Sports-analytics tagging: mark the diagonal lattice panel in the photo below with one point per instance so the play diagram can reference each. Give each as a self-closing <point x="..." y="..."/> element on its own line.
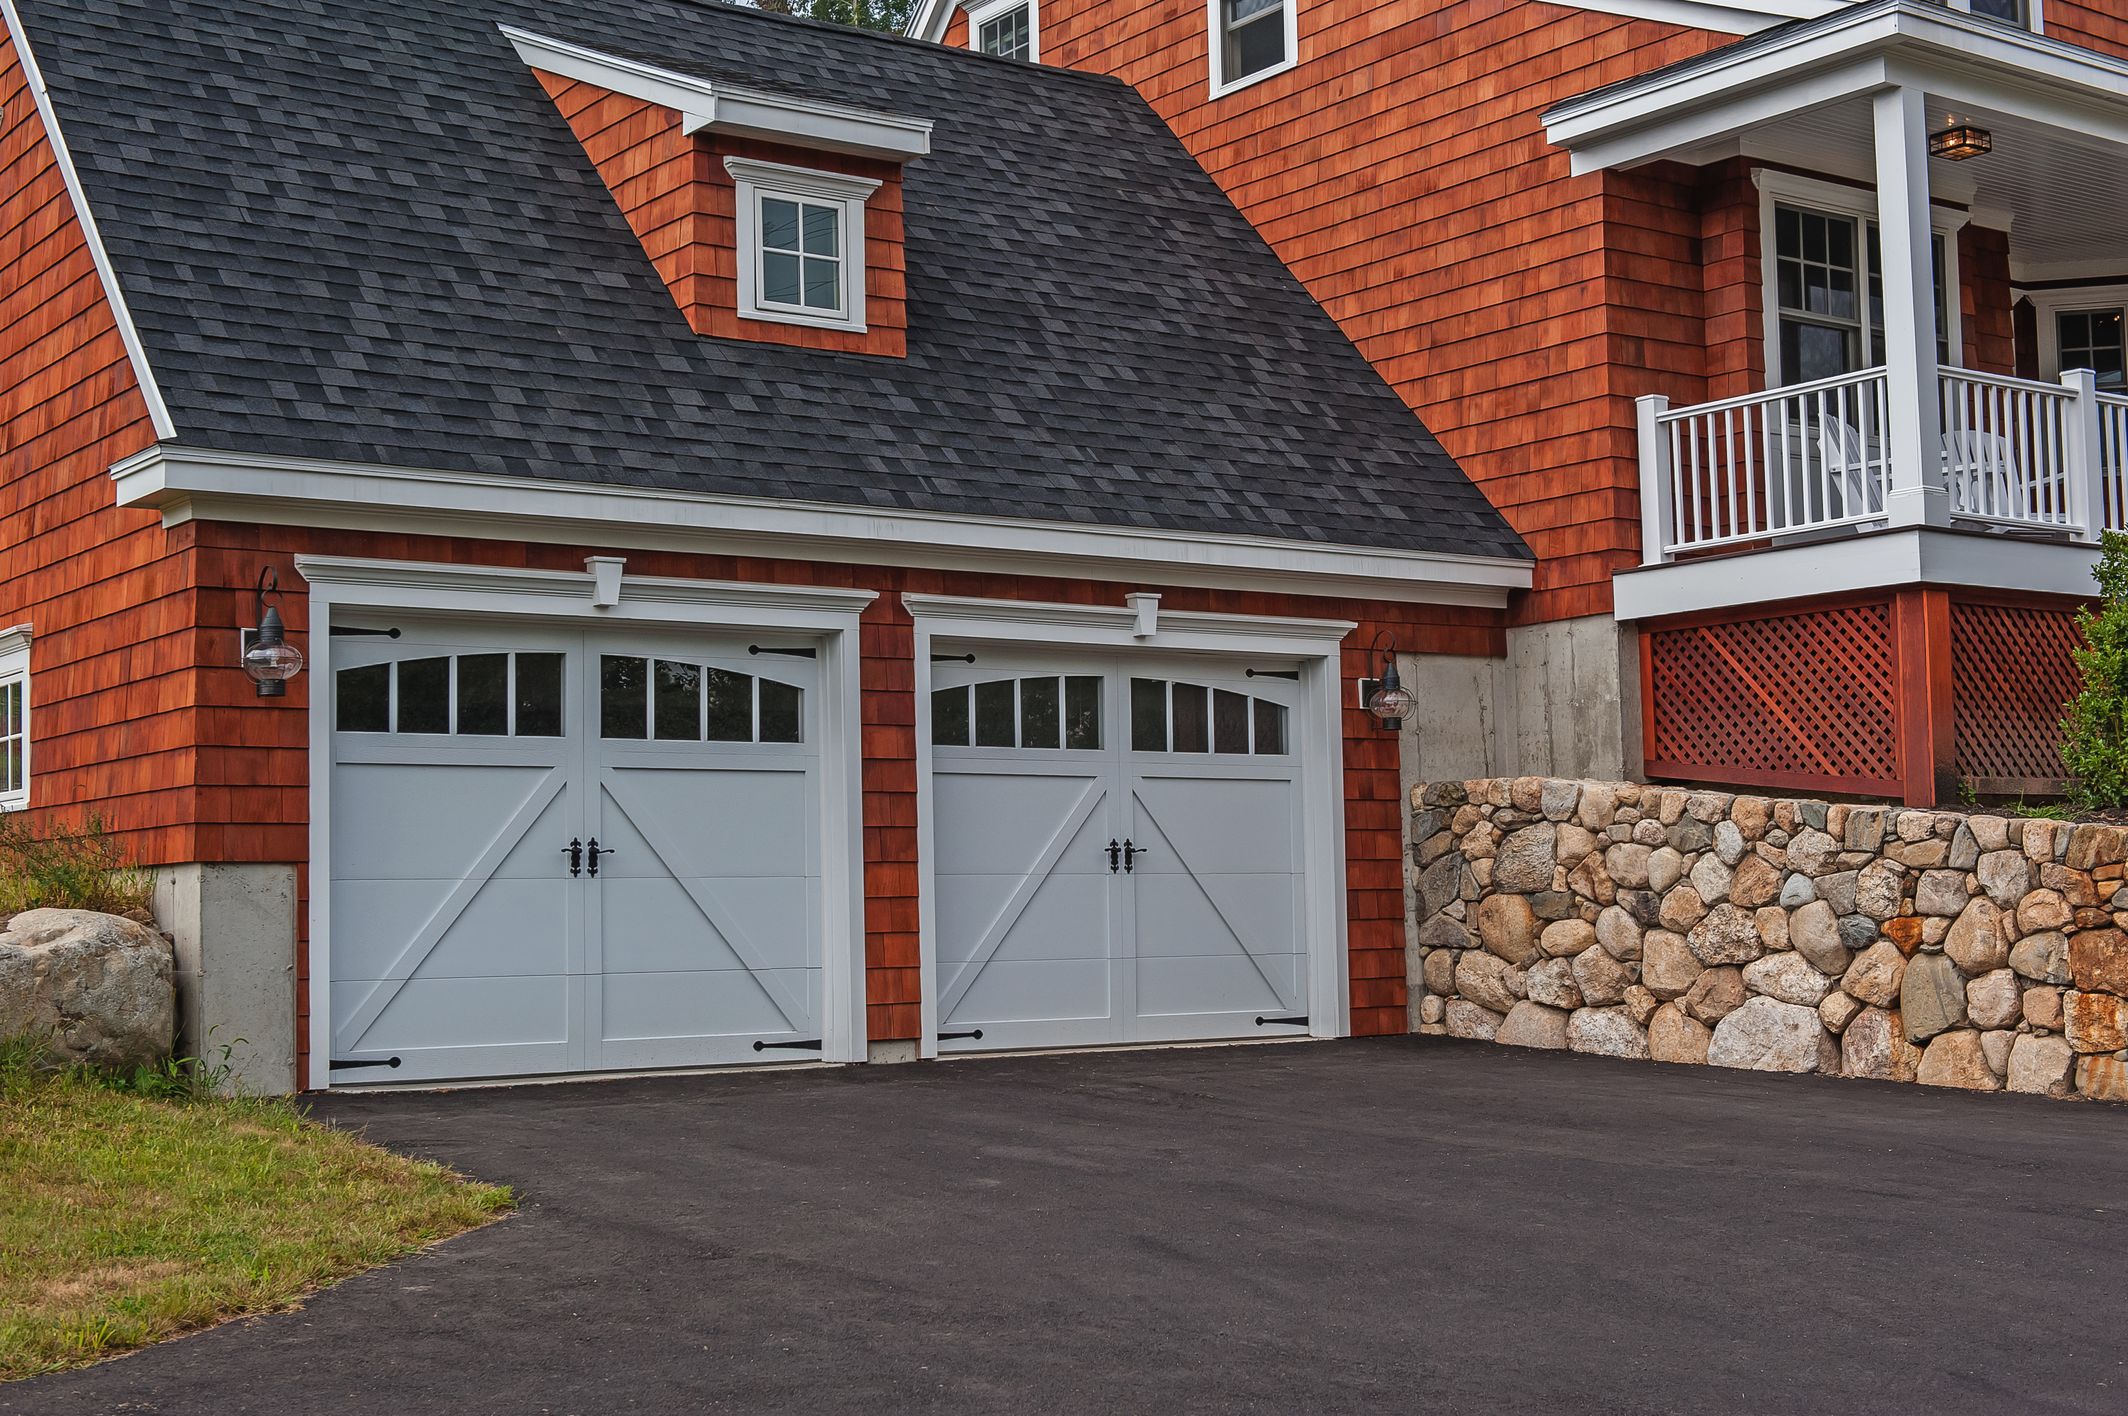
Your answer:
<point x="2011" y="677"/>
<point x="1806" y="695"/>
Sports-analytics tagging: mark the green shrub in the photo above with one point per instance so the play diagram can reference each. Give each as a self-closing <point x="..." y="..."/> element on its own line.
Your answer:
<point x="2095" y="733"/>
<point x="61" y="867"/>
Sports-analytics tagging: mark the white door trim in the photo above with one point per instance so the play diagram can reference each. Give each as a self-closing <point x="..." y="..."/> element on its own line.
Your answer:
<point x="456" y="591"/>
<point x="1315" y="643"/>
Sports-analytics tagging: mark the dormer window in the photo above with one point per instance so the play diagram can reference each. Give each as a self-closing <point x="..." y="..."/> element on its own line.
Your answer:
<point x="1005" y="28"/>
<point x="801" y="244"/>
<point x="1251" y="40"/>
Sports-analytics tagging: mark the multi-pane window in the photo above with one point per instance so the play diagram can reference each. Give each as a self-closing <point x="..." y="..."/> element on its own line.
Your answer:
<point x="469" y="695"/>
<point x="1005" y="33"/>
<point x="1829" y="289"/>
<point x="1044" y="711"/>
<point x="801" y="243"/>
<point x="2093" y="339"/>
<point x="671" y="700"/>
<point x="14" y="731"/>
<point x="801" y="254"/>
<point x="1189" y="717"/>
<point x="2011" y="12"/>
<point x="1252" y="38"/>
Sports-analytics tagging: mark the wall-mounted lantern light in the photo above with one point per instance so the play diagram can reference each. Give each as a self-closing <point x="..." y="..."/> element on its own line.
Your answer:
<point x="1390" y="702"/>
<point x="268" y="656"/>
<point x="1960" y="141"/>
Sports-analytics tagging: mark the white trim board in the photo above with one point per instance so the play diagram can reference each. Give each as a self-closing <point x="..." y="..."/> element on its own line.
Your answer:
<point x="1952" y="56"/>
<point x="495" y="593"/>
<point x="1716" y="15"/>
<point x="1316" y="644"/>
<point x="754" y="182"/>
<point x="107" y="274"/>
<point x="1876" y="561"/>
<point x="714" y="106"/>
<point x="1218" y="85"/>
<point x="196" y="484"/>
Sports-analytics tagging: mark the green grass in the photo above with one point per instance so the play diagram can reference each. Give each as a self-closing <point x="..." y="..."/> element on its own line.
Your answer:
<point x="131" y="1217"/>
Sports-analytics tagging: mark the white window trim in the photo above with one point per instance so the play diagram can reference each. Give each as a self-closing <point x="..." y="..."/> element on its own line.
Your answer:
<point x="1777" y="187"/>
<point x="979" y="15"/>
<point x="1318" y="737"/>
<point x="754" y="181"/>
<point x="2047" y="305"/>
<point x="2035" y="13"/>
<point x="15" y="669"/>
<point x="1216" y="48"/>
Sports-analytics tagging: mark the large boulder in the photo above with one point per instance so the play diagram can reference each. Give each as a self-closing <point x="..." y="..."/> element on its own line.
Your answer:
<point x="1767" y="1035"/>
<point x="99" y="987"/>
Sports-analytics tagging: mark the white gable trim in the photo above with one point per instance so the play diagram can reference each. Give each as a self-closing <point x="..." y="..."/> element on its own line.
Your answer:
<point x="723" y="108"/>
<point x="1722" y="18"/>
<point x="188" y="483"/>
<point x="129" y="333"/>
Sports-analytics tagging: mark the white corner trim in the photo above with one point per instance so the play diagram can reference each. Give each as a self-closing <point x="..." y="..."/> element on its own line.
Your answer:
<point x="1216" y="48"/>
<point x="187" y="483"/>
<point x="714" y="106"/>
<point x="753" y="182"/>
<point x="1119" y="626"/>
<point x="987" y="10"/>
<point x="128" y="333"/>
<point x="1845" y="564"/>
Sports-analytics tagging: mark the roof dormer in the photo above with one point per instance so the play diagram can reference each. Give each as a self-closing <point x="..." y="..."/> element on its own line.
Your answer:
<point x="771" y="216"/>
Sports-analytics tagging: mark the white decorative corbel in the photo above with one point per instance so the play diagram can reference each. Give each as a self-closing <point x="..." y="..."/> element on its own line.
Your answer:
<point x="1147" y="608"/>
<point x="605" y="580"/>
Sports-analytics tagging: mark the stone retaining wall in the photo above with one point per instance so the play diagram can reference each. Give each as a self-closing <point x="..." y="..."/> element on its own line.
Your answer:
<point x="1958" y="950"/>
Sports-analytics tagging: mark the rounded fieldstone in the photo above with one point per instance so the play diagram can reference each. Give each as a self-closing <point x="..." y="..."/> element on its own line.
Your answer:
<point x="1667" y="964"/>
<point x="1606" y="1032"/>
<point x="1619" y="933"/>
<point x="1975" y="942"/>
<point x="2043" y="958"/>
<point x="1728" y="935"/>
<point x="1665" y="867"/>
<point x="1955" y="1059"/>
<point x="1787" y="977"/>
<point x="1601" y="978"/>
<point x="1466" y="1019"/>
<point x="1675" y="1036"/>
<point x="1565" y="937"/>
<point x="1551" y="983"/>
<point x="1526" y="859"/>
<point x="1508" y="927"/>
<point x="1994" y="1000"/>
<point x="2041" y="1066"/>
<point x="1715" y="994"/>
<point x="1489" y="981"/>
<point x="1876" y="974"/>
<point x="1533" y="1025"/>
<point x="1767" y="1035"/>
<point x="1931" y="996"/>
<point x="1874" y="1046"/>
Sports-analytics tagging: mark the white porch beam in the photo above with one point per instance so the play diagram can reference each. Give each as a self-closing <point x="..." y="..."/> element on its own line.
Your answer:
<point x="1913" y="435"/>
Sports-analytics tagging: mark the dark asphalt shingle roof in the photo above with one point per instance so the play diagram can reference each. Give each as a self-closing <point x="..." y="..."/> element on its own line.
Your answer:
<point x="359" y="230"/>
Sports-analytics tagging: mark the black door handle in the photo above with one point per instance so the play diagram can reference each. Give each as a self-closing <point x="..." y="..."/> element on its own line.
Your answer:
<point x="1130" y="856"/>
<point x="1115" y="854"/>
<point x="575" y="851"/>
<point x="595" y="853"/>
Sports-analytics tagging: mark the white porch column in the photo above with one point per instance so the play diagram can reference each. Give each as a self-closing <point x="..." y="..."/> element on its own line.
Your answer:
<point x="1915" y="431"/>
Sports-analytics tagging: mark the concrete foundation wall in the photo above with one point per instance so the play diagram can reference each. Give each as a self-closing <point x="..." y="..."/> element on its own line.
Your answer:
<point x="234" y="928"/>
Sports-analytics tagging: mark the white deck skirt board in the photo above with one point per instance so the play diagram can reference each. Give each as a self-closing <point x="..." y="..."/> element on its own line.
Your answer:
<point x="1880" y="560"/>
<point x="187" y="483"/>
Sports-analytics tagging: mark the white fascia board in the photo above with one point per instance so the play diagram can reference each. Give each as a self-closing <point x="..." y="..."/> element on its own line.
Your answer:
<point x="200" y="484"/>
<point x="1849" y="564"/>
<point x="724" y="108"/>
<point x="1711" y="14"/>
<point x="954" y="618"/>
<point x="929" y="20"/>
<point x="1941" y="50"/>
<point x="107" y="274"/>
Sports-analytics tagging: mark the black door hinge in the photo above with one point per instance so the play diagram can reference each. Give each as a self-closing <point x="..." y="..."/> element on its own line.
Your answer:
<point x="1299" y="1022"/>
<point x="953" y="658"/>
<point x="355" y="631"/>
<point x="349" y="1064"/>
<point x="955" y="1037"/>
<point x="791" y="653"/>
<point x="1293" y="674"/>
<point x="813" y="1046"/>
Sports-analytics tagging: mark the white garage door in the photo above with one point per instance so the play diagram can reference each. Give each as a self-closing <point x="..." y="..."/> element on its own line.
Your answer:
<point x="558" y="850"/>
<point x="1118" y="851"/>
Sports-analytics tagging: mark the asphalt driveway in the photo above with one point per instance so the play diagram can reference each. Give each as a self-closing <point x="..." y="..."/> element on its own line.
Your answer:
<point x="1402" y="1224"/>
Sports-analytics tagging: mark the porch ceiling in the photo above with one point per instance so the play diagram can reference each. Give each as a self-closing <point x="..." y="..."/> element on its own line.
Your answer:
<point x="1800" y="95"/>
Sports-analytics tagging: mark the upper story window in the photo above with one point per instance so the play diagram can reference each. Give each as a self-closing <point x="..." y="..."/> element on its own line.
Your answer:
<point x="14" y="719"/>
<point x="2084" y="328"/>
<point x="801" y="244"/>
<point x="1825" y="296"/>
<point x="1005" y="28"/>
<point x="1251" y="40"/>
<point x="2022" y="13"/>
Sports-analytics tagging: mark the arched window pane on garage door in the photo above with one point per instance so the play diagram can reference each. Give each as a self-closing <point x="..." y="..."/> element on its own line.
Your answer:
<point x="466" y="695"/>
<point x="1168" y="716"/>
<point x="1061" y="711"/>
<point x="672" y="700"/>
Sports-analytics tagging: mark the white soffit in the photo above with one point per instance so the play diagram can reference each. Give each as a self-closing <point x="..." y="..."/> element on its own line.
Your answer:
<point x="200" y="484"/>
<point x="717" y="107"/>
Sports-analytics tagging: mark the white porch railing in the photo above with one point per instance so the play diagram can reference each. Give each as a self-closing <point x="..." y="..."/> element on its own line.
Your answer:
<point x="1816" y="457"/>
